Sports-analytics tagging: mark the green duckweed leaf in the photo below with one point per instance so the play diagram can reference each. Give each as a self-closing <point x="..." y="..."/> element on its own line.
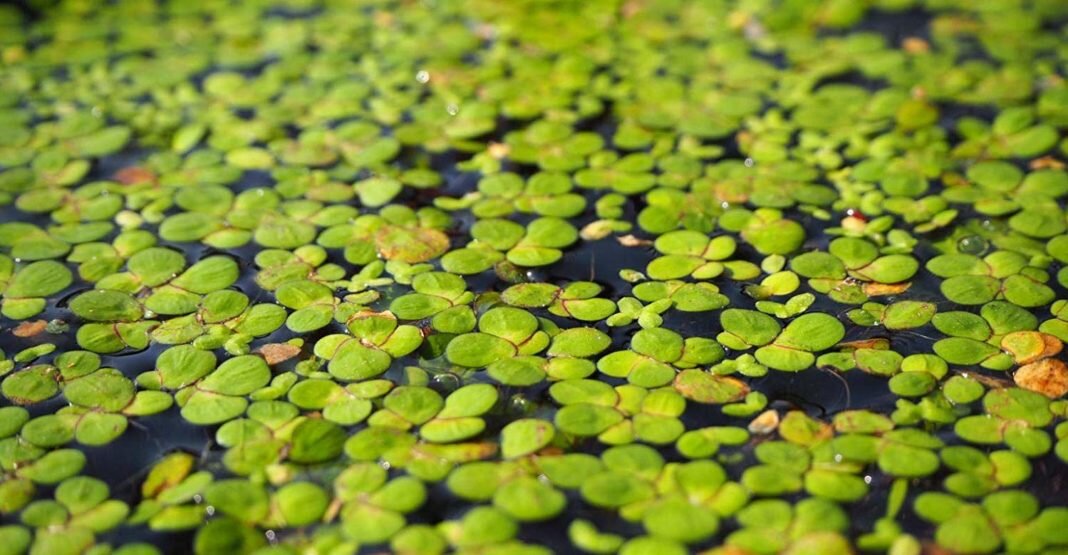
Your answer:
<point x="102" y="305"/>
<point x="525" y="436"/>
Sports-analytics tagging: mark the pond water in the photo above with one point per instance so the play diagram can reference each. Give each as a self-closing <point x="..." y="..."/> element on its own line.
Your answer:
<point x="526" y="277"/>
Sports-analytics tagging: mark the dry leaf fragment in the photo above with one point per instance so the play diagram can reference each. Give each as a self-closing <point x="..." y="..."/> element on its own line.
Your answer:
<point x="30" y="329"/>
<point x="880" y="289"/>
<point x="1046" y="163"/>
<point x="1048" y="376"/>
<point x="277" y="353"/>
<point x="765" y="423"/>
<point x="133" y="175"/>
<point x="915" y="45"/>
<point x="499" y="150"/>
<point x="630" y="240"/>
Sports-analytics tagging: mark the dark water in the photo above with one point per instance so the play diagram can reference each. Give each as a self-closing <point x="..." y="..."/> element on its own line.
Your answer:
<point x="124" y="463"/>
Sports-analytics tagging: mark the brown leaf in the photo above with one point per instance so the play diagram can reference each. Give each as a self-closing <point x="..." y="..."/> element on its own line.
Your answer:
<point x="915" y="45"/>
<point x="455" y="452"/>
<point x="726" y="550"/>
<point x="550" y="451"/>
<point x="277" y="353"/>
<point x="1029" y="346"/>
<point x="384" y="19"/>
<point x="498" y="151"/>
<point x="765" y="422"/>
<point x="30" y="329"/>
<point x="485" y="31"/>
<point x="133" y="175"/>
<point x="333" y="509"/>
<point x="630" y="8"/>
<point x="1048" y="376"/>
<point x="1046" y="163"/>
<point x="932" y="548"/>
<point x="880" y="289"/>
<point x="632" y="241"/>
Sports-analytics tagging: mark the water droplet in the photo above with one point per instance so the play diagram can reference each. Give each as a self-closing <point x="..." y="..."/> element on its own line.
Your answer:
<point x="867" y="479"/>
<point x="749" y="162"/>
<point x="270" y="535"/>
<point x="423" y="76"/>
<point x="993" y="225"/>
<point x="446" y="381"/>
<point x="452" y="109"/>
<point x="535" y="275"/>
<point x="973" y="244"/>
<point x="209" y="510"/>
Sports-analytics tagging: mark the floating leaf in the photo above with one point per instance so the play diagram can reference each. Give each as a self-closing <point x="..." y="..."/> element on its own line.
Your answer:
<point x="102" y="305"/>
<point x="525" y="436"/>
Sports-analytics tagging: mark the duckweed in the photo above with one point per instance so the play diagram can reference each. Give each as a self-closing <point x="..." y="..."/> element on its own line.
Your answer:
<point x="524" y="277"/>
